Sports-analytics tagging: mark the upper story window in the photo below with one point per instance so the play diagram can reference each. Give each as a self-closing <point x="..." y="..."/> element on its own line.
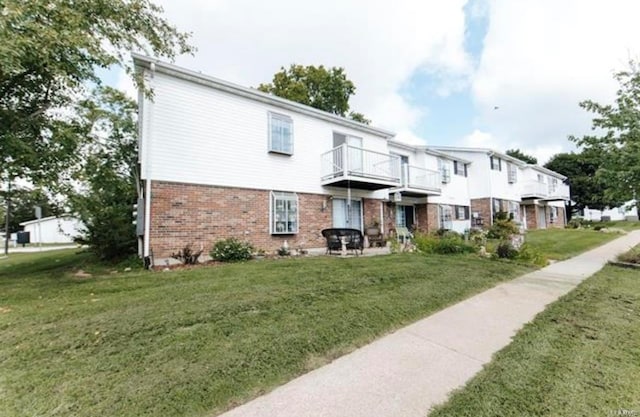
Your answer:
<point x="280" y="134"/>
<point x="541" y="178"/>
<point x="283" y="213"/>
<point x="445" y="174"/>
<point x="459" y="168"/>
<point x="496" y="163"/>
<point x="513" y="173"/>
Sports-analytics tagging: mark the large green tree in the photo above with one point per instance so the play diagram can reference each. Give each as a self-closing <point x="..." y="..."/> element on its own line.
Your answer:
<point x="326" y="89"/>
<point x="105" y="183"/>
<point x="617" y="137"/>
<point x="587" y="188"/>
<point x="517" y="153"/>
<point x="50" y="49"/>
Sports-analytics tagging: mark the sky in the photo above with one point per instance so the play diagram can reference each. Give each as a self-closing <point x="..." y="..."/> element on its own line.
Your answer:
<point x="500" y="74"/>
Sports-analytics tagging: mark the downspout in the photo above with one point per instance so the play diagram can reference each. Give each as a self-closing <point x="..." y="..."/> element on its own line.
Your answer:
<point x="381" y="218"/>
<point x="147" y="192"/>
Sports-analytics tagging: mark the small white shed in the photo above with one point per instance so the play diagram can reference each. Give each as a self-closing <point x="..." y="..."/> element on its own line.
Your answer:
<point x="52" y="229"/>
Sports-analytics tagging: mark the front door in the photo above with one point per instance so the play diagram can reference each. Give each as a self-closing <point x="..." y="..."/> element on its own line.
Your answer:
<point x="542" y="217"/>
<point x="405" y="216"/>
<point x="347" y="215"/>
<point x="445" y="215"/>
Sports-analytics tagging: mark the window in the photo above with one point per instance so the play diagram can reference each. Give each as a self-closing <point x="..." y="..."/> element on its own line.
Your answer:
<point x="497" y="206"/>
<point x="496" y="163"/>
<point x="443" y="167"/>
<point x="541" y="178"/>
<point x="514" y="211"/>
<point x="284" y="213"/>
<point x="553" y="216"/>
<point x="513" y="173"/>
<point x="553" y="186"/>
<point x="280" y="134"/>
<point x="462" y="213"/>
<point x="459" y="168"/>
<point x="445" y="216"/>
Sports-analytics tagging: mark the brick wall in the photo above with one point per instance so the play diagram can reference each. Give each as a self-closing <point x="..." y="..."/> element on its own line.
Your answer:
<point x="202" y="215"/>
<point x="532" y="218"/>
<point x="482" y="206"/>
<point x="371" y="212"/>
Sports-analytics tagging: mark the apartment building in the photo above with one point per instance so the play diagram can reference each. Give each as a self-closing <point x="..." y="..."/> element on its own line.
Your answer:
<point x="219" y="160"/>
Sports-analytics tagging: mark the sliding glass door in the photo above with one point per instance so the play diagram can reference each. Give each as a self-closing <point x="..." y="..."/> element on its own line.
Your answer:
<point x="347" y="215"/>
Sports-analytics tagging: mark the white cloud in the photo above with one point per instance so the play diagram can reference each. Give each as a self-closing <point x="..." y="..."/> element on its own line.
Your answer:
<point x="541" y="58"/>
<point x="381" y="45"/>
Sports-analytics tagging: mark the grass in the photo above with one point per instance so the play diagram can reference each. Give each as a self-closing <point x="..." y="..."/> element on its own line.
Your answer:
<point x="561" y="244"/>
<point x="620" y="224"/>
<point x="577" y="358"/>
<point x="197" y="342"/>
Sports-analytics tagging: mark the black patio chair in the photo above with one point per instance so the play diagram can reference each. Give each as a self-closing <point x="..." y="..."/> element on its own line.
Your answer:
<point x="353" y="239"/>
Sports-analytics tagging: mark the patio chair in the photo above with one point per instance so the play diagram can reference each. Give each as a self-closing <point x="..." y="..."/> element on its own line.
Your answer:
<point x="403" y="234"/>
<point x="353" y="239"/>
<point x="374" y="236"/>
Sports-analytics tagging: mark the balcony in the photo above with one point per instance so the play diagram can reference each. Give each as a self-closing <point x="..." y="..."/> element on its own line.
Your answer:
<point x="557" y="192"/>
<point x="350" y="166"/>
<point x="534" y="189"/>
<point x="544" y="191"/>
<point x="418" y="182"/>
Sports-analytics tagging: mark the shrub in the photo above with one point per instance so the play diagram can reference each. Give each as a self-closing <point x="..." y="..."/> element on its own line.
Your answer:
<point x="187" y="255"/>
<point x="577" y="223"/>
<point x="632" y="256"/>
<point x="446" y="245"/>
<point x="505" y="250"/>
<point x="478" y="237"/>
<point x="532" y="256"/>
<point x="503" y="229"/>
<point x="598" y="228"/>
<point x="231" y="250"/>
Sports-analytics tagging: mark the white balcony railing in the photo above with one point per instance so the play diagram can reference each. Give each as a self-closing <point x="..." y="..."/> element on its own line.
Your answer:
<point x="415" y="177"/>
<point x="351" y="161"/>
<point x="559" y="191"/>
<point x="534" y="189"/>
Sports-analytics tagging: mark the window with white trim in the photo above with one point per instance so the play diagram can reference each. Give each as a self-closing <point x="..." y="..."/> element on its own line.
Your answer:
<point x="512" y="173"/>
<point x="462" y="212"/>
<point x="496" y="163"/>
<point x="514" y="210"/>
<point x="283" y="213"/>
<point x="459" y="168"/>
<point x="280" y="134"/>
<point x="445" y="174"/>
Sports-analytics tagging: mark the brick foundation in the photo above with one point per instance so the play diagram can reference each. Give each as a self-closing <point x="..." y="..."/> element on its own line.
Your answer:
<point x="201" y="215"/>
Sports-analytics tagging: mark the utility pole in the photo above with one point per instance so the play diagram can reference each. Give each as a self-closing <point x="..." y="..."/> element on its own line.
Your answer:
<point x="6" y="224"/>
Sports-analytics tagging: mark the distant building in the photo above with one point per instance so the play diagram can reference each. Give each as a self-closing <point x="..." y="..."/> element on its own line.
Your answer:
<point x="53" y="229"/>
<point x="627" y="211"/>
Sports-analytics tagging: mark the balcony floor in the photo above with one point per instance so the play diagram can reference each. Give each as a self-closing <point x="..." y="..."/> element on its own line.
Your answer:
<point x="416" y="192"/>
<point x="360" y="183"/>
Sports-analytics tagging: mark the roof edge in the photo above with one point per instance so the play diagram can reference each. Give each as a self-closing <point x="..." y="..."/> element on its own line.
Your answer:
<point x="147" y="62"/>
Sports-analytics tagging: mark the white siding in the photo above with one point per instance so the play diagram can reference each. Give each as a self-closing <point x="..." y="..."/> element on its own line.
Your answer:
<point x="205" y="136"/>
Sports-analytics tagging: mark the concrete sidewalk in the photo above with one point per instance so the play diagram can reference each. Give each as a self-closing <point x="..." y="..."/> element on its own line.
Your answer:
<point x="409" y="371"/>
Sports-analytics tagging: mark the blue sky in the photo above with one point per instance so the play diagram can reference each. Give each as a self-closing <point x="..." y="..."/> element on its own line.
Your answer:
<point x="433" y="70"/>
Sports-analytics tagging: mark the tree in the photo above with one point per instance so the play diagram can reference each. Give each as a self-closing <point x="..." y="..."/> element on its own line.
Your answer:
<point x="587" y="188"/>
<point x="23" y="201"/>
<point x="106" y="182"/>
<point x="517" y="153"/>
<point x="318" y="87"/>
<point x="617" y="137"/>
<point x="50" y="49"/>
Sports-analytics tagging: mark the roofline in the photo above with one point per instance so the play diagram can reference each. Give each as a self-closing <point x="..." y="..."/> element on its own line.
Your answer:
<point x="505" y="156"/>
<point x="546" y="171"/>
<point x="34" y="221"/>
<point x="147" y="62"/>
<point x="487" y="151"/>
<point x="427" y="150"/>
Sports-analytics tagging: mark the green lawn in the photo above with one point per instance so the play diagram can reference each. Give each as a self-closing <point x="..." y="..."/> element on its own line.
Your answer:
<point x="196" y="342"/>
<point x="580" y="357"/>
<point x="561" y="244"/>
